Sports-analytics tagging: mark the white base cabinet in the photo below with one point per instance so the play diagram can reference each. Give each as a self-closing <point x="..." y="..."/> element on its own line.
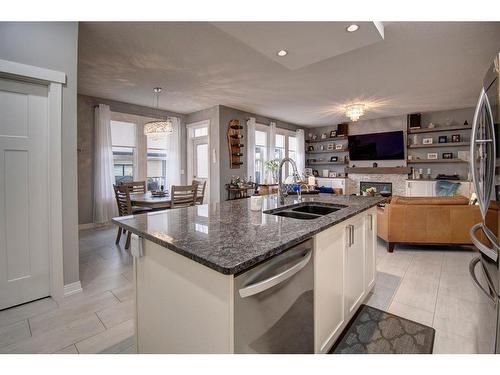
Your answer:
<point x="426" y="188"/>
<point x="344" y="274"/>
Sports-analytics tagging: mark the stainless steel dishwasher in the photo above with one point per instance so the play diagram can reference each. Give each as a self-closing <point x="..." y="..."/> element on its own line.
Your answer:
<point x="273" y="304"/>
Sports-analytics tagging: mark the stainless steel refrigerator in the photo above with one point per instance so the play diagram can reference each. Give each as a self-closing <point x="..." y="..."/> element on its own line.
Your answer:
<point x="485" y="170"/>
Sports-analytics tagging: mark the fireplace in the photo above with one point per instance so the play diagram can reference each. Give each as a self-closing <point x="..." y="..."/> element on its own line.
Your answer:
<point x="380" y="187"/>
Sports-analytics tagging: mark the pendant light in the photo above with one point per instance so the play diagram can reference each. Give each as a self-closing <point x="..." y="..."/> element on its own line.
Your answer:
<point x="158" y="128"/>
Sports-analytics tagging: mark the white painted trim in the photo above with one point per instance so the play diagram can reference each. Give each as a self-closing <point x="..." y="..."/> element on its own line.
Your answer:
<point x="31" y="72"/>
<point x="94" y="226"/>
<point x="190" y="153"/>
<point x="54" y="81"/>
<point x="55" y="191"/>
<point x="73" y="288"/>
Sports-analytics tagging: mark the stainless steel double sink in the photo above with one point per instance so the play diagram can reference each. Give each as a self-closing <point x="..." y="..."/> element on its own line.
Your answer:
<point x="306" y="210"/>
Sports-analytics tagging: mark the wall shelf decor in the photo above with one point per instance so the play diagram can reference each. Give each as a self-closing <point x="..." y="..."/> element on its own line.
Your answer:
<point x="235" y="144"/>
<point x="439" y="129"/>
<point x="449" y="144"/>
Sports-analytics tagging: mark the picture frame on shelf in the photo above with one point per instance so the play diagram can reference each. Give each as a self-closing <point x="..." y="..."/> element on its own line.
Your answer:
<point x="315" y="173"/>
<point x="334" y="159"/>
<point x="455" y="138"/>
<point x="333" y="133"/>
<point x="447" y="155"/>
<point x="464" y="155"/>
<point x="308" y="171"/>
<point x="432" y="156"/>
<point x="314" y="137"/>
<point x="322" y="148"/>
<point x="339" y="146"/>
<point x="331" y="146"/>
<point x="443" y="139"/>
<point x="323" y="136"/>
<point x="427" y="141"/>
<point x="310" y="148"/>
<point x="332" y="174"/>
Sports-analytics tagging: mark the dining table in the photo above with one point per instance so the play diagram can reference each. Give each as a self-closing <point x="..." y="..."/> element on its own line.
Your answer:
<point x="148" y="200"/>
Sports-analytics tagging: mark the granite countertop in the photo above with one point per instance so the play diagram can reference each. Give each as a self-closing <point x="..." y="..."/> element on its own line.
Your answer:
<point x="230" y="238"/>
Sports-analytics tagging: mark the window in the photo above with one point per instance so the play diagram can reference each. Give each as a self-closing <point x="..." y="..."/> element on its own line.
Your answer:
<point x="123" y="146"/>
<point x="260" y="155"/>
<point x="156" y="163"/>
<point x="285" y="146"/>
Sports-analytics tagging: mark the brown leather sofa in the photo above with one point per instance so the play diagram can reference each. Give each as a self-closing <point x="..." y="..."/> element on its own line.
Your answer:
<point x="427" y="220"/>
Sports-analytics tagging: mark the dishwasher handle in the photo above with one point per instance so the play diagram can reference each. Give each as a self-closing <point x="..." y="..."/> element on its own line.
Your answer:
<point x="268" y="283"/>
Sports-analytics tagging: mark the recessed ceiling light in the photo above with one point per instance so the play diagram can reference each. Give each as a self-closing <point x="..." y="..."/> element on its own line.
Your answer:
<point x="352" y="28"/>
<point x="282" y="52"/>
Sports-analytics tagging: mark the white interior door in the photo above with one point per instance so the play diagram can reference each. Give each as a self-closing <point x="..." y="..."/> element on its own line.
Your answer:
<point x="201" y="165"/>
<point x="24" y="211"/>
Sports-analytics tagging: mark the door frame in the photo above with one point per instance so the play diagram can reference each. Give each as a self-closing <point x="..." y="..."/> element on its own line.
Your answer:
<point x="190" y="153"/>
<point x="53" y="80"/>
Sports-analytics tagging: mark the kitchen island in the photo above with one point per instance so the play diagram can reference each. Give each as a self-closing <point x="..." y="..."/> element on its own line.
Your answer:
<point x="187" y="260"/>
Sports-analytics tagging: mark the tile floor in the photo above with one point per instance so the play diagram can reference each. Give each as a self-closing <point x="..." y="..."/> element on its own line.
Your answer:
<point x="427" y="285"/>
<point x="98" y="320"/>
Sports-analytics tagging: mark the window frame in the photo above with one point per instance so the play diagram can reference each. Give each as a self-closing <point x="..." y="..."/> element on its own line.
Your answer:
<point x="135" y="150"/>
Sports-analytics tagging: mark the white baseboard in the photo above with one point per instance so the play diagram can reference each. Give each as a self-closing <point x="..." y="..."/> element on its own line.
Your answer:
<point x="93" y="226"/>
<point x="73" y="288"/>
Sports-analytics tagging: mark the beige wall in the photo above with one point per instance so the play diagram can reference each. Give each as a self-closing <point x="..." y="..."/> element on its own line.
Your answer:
<point x="53" y="45"/>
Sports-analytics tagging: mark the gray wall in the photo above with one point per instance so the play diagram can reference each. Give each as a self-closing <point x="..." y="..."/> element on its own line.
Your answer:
<point x="440" y="118"/>
<point x="86" y="145"/>
<point x="53" y="45"/>
<point x="226" y="114"/>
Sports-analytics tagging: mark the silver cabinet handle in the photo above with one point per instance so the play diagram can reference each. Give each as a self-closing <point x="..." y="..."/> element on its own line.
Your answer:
<point x="348" y="235"/>
<point x="352" y="234"/>
<point x="268" y="283"/>
<point x="490" y="253"/>
<point x="371" y="221"/>
<point x="472" y="267"/>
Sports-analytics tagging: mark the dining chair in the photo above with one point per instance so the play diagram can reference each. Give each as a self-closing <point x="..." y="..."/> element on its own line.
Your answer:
<point x="183" y="196"/>
<point x="200" y="190"/>
<point x="135" y="186"/>
<point x="122" y="195"/>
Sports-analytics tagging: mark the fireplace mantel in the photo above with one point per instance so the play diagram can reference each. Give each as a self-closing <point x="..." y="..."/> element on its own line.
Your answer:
<point x="378" y="170"/>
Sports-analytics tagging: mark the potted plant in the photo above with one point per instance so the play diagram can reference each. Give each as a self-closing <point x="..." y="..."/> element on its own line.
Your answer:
<point x="273" y="166"/>
<point x="369" y="191"/>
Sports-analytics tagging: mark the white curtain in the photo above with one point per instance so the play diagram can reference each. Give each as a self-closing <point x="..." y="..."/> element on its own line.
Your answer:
<point x="174" y="155"/>
<point x="300" y="153"/>
<point x="251" y="149"/>
<point x="271" y="148"/>
<point x="104" y="197"/>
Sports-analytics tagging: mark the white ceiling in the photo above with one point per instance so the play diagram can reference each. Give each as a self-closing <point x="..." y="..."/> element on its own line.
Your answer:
<point x="417" y="67"/>
<point x="306" y="42"/>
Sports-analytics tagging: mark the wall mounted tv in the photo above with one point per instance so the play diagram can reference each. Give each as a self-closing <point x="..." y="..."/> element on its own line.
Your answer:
<point x="377" y="146"/>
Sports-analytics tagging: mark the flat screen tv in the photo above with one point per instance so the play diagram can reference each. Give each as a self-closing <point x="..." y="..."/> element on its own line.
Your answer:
<point x="377" y="146"/>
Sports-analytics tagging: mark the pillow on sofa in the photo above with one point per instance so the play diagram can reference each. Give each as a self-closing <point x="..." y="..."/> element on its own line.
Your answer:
<point x="455" y="200"/>
<point x="447" y="188"/>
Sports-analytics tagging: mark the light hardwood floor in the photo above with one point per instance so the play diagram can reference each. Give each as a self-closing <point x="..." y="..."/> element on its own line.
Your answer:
<point x="430" y="286"/>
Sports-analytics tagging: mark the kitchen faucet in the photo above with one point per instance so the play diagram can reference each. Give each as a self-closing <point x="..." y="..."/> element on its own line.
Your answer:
<point x="281" y="193"/>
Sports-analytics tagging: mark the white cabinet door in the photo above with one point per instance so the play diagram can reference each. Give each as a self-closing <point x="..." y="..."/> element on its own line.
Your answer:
<point x="329" y="315"/>
<point x="355" y="264"/>
<point x="370" y="245"/>
<point x="420" y="188"/>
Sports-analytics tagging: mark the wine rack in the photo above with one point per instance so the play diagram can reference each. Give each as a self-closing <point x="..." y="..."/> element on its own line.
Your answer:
<point x="234" y="141"/>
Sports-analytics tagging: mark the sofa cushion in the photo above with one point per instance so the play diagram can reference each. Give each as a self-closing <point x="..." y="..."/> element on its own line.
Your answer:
<point x="455" y="200"/>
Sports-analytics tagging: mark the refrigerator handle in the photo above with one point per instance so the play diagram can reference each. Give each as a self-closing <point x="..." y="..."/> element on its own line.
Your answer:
<point x="483" y="116"/>
<point x="472" y="267"/>
<point x="490" y="253"/>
